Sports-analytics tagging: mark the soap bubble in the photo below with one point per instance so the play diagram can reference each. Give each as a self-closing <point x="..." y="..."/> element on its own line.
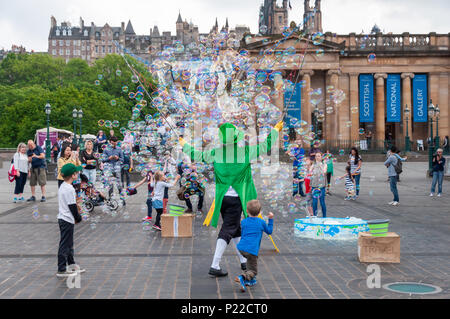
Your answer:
<point x="100" y="76"/>
<point x="97" y="82"/>
<point x="320" y="52"/>
<point x="113" y="102"/>
<point x="316" y="193"/>
<point x="361" y="131"/>
<point x="371" y="57"/>
<point x="354" y="109"/>
<point x="134" y="79"/>
<point x="263" y="29"/>
<point x="118" y="72"/>
<point x="125" y="89"/>
<point x="341" y="152"/>
<point x="101" y="122"/>
<point x="318" y="38"/>
<point x="115" y="123"/>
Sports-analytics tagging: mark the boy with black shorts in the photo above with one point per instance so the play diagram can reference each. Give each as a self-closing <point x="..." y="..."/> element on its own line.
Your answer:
<point x="68" y="216"/>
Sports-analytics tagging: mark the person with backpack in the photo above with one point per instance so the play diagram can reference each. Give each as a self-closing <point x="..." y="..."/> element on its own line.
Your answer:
<point x="390" y="163"/>
<point x="20" y="164"/>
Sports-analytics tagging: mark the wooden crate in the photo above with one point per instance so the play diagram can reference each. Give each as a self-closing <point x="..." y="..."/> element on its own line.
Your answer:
<point x="372" y="249"/>
<point x="176" y="226"/>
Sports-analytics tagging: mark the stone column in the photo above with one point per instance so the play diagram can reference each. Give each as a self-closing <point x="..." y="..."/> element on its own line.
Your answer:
<point x="354" y="117"/>
<point x="444" y="120"/>
<point x="306" y="100"/>
<point x="380" y="109"/>
<point x="406" y="100"/>
<point x="332" y="120"/>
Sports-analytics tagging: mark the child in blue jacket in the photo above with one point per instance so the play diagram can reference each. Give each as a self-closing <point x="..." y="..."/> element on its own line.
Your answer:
<point x="252" y="230"/>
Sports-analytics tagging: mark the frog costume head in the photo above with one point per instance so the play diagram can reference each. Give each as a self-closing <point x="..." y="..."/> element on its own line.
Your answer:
<point x="229" y="134"/>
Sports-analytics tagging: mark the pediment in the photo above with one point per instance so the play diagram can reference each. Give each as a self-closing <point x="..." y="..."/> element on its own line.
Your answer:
<point x="278" y="43"/>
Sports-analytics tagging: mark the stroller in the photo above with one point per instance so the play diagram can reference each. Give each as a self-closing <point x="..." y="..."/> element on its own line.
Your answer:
<point x="95" y="198"/>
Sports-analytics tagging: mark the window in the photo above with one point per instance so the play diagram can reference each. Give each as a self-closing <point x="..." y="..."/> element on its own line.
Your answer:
<point x="61" y="52"/>
<point x="110" y="49"/>
<point x="69" y="32"/>
<point x="68" y="52"/>
<point x="96" y="49"/>
<point x="61" y="43"/>
<point x="58" y="33"/>
<point x="280" y="19"/>
<point x="64" y="32"/>
<point x="54" y="43"/>
<point x="103" y="49"/>
<point x="103" y="34"/>
<point x="86" y="33"/>
<point x="67" y="43"/>
<point x="53" y="52"/>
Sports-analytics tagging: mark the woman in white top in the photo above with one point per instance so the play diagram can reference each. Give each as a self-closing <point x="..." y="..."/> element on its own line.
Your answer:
<point x="21" y="165"/>
<point x="159" y="185"/>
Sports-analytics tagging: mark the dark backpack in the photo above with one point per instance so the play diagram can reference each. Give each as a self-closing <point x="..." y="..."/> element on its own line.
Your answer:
<point x="398" y="166"/>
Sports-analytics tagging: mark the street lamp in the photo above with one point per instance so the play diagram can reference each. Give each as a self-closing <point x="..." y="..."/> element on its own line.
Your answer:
<point x="407" y="112"/>
<point x="437" y="112"/>
<point x="80" y="116"/>
<point x="48" y="110"/>
<point x="75" y="115"/>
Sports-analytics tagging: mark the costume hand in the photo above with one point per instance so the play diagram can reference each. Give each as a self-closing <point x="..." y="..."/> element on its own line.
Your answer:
<point x="182" y="141"/>
<point x="279" y="126"/>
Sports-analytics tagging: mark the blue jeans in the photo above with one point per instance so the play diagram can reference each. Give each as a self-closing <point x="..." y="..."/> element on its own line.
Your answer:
<point x="91" y="174"/>
<point x="322" y="202"/>
<point x="357" y="178"/>
<point x="298" y="189"/>
<point x="438" y="177"/>
<point x="393" y="183"/>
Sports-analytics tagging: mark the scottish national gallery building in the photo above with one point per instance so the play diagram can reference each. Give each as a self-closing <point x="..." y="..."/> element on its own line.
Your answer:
<point x="385" y="83"/>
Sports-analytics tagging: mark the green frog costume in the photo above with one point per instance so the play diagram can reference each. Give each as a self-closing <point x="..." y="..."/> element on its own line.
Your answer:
<point x="232" y="171"/>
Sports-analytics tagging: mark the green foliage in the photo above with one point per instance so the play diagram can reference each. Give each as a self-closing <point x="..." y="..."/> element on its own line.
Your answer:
<point x="28" y="82"/>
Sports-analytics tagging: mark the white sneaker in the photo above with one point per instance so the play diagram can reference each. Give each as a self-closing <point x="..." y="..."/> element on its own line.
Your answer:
<point x="439" y="195"/>
<point x="431" y="195"/>
<point x="390" y="203"/>
<point x="75" y="268"/>
<point x="395" y="203"/>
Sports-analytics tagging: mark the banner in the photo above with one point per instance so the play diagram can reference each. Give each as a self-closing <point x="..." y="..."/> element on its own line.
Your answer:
<point x="366" y="105"/>
<point x="420" y="98"/>
<point x="292" y="102"/>
<point x="393" y="98"/>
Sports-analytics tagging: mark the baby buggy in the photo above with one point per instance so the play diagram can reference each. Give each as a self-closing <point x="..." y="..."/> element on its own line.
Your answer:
<point x="95" y="198"/>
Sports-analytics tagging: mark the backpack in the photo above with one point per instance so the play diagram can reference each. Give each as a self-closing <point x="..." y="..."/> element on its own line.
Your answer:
<point x="12" y="172"/>
<point x="398" y="166"/>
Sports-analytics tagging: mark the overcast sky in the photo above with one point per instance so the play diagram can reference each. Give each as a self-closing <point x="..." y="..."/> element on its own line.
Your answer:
<point x="27" y="22"/>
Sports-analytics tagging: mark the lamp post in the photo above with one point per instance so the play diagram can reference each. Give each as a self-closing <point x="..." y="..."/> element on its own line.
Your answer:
<point x="48" y="110"/>
<point x="431" y="113"/>
<point x="437" y="112"/>
<point x="75" y="115"/>
<point x="316" y="115"/>
<point x="80" y="116"/>
<point x="407" y="141"/>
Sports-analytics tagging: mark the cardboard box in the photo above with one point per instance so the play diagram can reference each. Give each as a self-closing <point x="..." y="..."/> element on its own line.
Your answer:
<point x="176" y="226"/>
<point x="372" y="249"/>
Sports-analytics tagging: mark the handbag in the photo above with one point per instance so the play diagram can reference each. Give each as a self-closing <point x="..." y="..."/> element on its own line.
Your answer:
<point x="12" y="172"/>
<point x="180" y="192"/>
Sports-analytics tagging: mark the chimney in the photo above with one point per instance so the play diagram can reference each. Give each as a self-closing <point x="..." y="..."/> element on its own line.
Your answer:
<point x="123" y="26"/>
<point x="81" y="23"/>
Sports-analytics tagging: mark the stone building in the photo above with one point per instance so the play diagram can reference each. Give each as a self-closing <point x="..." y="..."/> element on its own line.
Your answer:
<point x="84" y="42"/>
<point x="273" y="18"/>
<point x="378" y="76"/>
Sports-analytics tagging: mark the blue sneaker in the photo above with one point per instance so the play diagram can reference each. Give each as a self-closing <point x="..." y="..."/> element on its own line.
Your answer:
<point x="241" y="281"/>
<point x="251" y="283"/>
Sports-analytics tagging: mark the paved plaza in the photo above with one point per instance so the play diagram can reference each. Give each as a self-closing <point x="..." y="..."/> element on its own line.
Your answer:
<point x="125" y="261"/>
